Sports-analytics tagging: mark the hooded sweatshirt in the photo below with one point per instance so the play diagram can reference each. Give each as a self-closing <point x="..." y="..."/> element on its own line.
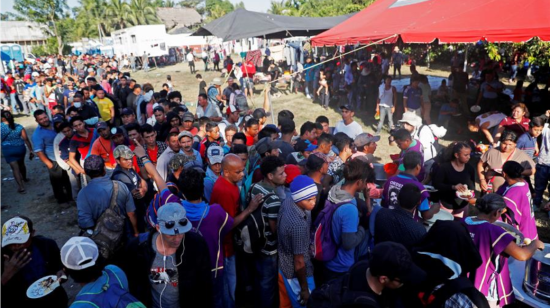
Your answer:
<point x="345" y="229"/>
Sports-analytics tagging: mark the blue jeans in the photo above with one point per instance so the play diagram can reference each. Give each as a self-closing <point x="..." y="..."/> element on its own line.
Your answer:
<point x="266" y="283"/>
<point x="309" y="88"/>
<point x="514" y="72"/>
<point x="13" y="102"/>
<point x="229" y="282"/>
<point x="542" y="176"/>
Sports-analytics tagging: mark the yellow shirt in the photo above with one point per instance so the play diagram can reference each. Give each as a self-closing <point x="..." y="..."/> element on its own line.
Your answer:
<point x="104" y="105"/>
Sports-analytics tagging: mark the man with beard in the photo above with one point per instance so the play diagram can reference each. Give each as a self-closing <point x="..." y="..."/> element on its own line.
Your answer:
<point x="42" y="139"/>
<point x="186" y="143"/>
<point x="136" y="185"/>
<point x="80" y="144"/>
<point x="173" y="149"/>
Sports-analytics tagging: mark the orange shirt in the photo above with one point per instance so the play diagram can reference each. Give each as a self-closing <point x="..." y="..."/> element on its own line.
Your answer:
<point x="103" y="148"/>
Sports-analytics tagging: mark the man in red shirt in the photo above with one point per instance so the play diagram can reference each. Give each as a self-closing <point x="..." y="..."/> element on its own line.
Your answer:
<point x="251" y="130"/>
<point x="226" y="194"/>
<point x="13" y="94"/>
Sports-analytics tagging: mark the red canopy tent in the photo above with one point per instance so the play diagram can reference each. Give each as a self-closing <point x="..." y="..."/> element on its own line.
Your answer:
<point x="450" y="21"/>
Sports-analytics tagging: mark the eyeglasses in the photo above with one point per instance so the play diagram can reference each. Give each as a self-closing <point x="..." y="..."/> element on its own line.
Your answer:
<point x="171" y="224"/>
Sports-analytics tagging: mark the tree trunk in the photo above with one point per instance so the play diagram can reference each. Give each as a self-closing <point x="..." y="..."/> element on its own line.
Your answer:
<point x="58" y="37"/>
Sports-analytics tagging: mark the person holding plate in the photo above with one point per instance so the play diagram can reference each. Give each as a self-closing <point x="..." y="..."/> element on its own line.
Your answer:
<point x="489" y="168"/>
<point x="517" y="196"/>
<point x="454" y="179"/>
<point x="26" y="258"/>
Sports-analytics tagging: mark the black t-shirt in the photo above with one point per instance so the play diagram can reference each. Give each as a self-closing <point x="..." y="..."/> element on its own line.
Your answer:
<point x="202" y="85"/>
<point x="445" y="177"/>
<point x="358" y="283"/>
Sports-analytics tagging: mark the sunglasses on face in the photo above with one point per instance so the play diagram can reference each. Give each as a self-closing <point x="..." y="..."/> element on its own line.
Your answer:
<point x="171" y="224"/>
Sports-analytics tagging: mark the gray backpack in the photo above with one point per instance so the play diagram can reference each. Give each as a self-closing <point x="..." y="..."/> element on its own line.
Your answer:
<point x="109" y="229"/>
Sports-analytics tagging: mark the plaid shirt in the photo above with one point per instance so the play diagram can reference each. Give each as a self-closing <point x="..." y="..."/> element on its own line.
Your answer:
<point x="294" y="238"/>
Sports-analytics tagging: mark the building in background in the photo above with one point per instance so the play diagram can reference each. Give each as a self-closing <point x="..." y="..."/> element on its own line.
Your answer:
<point x="25" y="33"/>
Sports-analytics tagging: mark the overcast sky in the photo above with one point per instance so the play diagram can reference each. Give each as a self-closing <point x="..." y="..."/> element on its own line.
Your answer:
<point x="251" y="5"/>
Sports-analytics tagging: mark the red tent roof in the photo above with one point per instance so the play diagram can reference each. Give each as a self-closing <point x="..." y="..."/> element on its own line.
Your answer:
<point x="450" y="21"/>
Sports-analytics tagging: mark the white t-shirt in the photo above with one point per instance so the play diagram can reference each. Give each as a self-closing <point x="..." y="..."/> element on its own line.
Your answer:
<point x="493" y="119"/>
<point x="352" y="130"/>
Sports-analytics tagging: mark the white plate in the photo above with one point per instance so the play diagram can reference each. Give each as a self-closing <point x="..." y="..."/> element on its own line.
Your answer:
<point x="475" y="108"/>
<point x="36" y="290"/>
<point x="430" y="188"/>
<point x="462" y="198"/>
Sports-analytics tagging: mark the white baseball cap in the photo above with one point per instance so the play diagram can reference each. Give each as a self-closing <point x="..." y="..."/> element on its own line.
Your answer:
<point x="215" y="154"/>
<point x="79" y="253"/>
<point x="15" y="231"/>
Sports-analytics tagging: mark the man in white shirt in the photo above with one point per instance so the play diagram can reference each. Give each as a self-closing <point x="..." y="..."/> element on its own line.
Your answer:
<point x="348" y="125"/>
<point x="190" y="57"/>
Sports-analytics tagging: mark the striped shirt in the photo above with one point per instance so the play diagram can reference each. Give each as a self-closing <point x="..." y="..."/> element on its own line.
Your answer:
<point x="270" y="211"/>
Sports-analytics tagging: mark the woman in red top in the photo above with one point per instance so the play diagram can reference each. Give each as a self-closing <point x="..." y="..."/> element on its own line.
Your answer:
<point x="518" y="122"/>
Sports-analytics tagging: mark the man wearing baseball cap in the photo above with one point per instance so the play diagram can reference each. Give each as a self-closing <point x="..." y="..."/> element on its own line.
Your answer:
<point x="128" y="116"/>
<point x="214" y="157"/>
<point x="81" y="258"/>
<point x="347" y="125"/>
<point x="102" y="146"/>
<point x="389" y="267"/>
<point x="233" y="118"/>
<point x="95" y="198"/>
<point x="25" y="259"/>
<point x="125" y="173"/>
<point x="365" y="144"/>
<point x="170" y="266"/>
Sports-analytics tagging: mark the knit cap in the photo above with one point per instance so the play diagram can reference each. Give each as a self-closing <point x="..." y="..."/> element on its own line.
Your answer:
<point x="302" y="188"/>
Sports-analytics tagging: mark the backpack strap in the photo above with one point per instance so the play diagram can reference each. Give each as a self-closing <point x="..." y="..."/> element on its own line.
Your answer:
<point x="372" y="219"/>
<point x="114" y="196"/>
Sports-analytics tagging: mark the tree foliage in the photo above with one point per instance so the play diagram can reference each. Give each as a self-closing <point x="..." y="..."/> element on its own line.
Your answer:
<point x="317" y="8"/>
<point x="48" y="12"/>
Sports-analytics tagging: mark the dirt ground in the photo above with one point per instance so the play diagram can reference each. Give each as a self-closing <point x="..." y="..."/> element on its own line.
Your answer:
<point x="60" y="224"/>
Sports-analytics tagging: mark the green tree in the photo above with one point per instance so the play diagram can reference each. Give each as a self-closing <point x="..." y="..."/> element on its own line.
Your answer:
<point x="218" y="6"/>
<point x="10" y="16"/>
<point x="96" y="13"/>
<point x="48" y="12"/>
<point x="117" y="13"/>
<point x="142" y="12"/>
<point x="198" y="5"/>
<point x="240" y="5"/>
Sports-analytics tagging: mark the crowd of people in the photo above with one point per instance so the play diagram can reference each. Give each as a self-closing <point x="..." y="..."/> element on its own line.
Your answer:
<point x="218" y="208"/>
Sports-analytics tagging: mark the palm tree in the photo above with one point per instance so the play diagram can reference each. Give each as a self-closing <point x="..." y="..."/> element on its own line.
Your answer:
<point x="277" y="7"/>
<point x="142" y="12"/>
<point x="94" y="11"/>
<point x="117" y="12"/>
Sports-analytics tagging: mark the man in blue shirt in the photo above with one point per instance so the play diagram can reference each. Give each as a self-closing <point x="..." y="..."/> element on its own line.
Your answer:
<point x="309" y="76"/>
<point x="346" y="231"/>
<point x="412" y="98"/>
<point x="42" y="139"/>
<point x="528" y="141"/>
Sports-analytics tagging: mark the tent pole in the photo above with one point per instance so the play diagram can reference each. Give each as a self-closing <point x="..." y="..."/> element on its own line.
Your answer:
<point x="466" y="58"/>
<point x="428" y="57"/>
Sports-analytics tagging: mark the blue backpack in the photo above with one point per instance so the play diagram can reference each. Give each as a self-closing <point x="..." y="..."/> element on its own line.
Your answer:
<point x="113" y="295"/>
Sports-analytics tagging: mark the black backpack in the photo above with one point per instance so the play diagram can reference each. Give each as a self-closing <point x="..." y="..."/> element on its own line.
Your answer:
<point x="336" y="293"/>
<point x="462" y="285"/>
<point x="251" y="232"/>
